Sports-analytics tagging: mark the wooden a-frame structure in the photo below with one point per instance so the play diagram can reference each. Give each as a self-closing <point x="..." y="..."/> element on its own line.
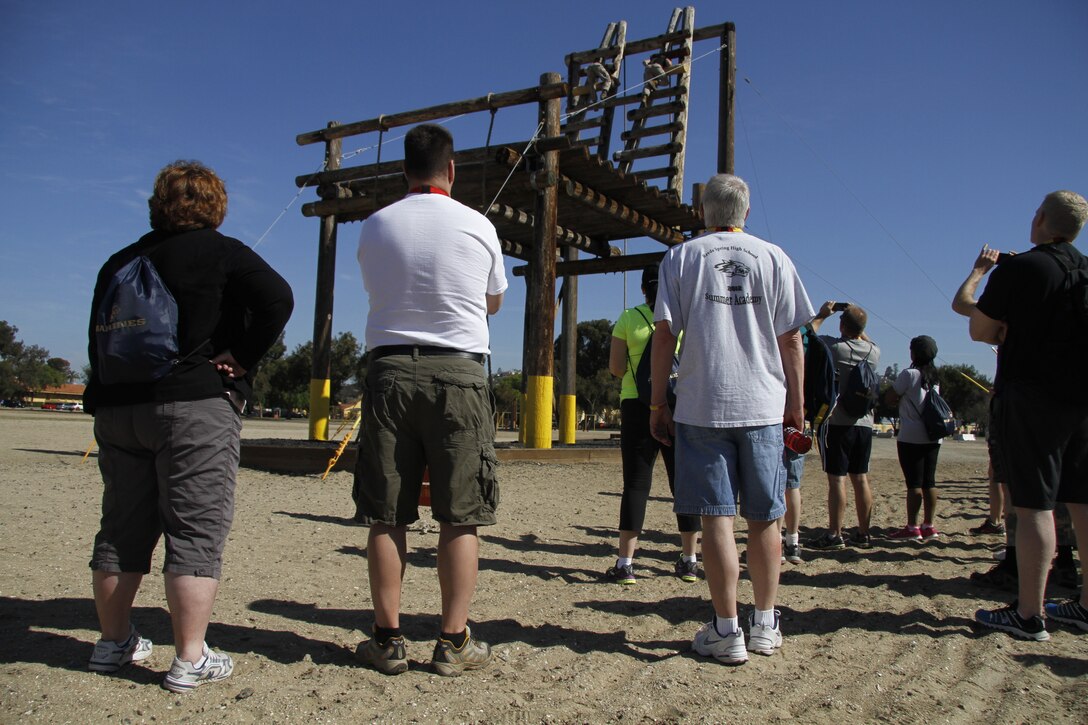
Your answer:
<point x="563" y="195"/>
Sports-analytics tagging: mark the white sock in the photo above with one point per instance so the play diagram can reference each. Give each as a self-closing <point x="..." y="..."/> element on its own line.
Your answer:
<point x="689" y="559"/>
<point x="622" y="562"/>
<point x="794" y="538"/>
<point x="764" y="618"/>
<point x="725" y="625"/>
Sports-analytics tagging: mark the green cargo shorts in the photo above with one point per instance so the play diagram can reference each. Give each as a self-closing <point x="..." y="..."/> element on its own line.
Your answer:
<point x="433" y="412"/>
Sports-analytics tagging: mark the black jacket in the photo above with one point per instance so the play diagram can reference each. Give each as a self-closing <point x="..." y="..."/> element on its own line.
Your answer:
<point x="228" y="298"/>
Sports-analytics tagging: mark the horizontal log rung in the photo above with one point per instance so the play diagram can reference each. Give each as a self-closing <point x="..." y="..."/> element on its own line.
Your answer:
<point x="647" y="151"/>
<point x="582" y="90"/>
<point x="651" y="111"/>
<point x="651" y="131"/>
<point x="577" y="126"/>
<point x="656" y="173"/>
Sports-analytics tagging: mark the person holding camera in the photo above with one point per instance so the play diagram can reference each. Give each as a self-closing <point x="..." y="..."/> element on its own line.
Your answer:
<point x="847" y="439"/>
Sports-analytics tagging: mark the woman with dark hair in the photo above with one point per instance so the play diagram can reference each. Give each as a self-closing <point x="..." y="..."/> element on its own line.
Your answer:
<point x="917" y="451"/>
<point x="630" y="341"/>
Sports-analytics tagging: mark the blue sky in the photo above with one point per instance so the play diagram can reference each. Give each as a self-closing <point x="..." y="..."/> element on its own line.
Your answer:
<point x="884" y="142"/>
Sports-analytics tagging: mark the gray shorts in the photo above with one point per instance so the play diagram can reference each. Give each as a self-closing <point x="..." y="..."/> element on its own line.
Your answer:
<point x="430" y="412"/>
<point x="168" y="468"/>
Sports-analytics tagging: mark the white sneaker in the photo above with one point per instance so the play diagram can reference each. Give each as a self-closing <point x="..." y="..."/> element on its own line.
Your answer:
<point x="184" y="677"/>
<point x="111" y="656"/>
<point x="763" y="639"/>
<point x="727" y="650"/>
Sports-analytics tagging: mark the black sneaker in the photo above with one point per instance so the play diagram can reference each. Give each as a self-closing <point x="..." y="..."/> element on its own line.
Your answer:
<point x="621" y="575"/>
<point x="861" y="541"/>
<point x="792" y="552"/>
<point x="989" y="528"/>
<point x="828" y="542"/>
<point x="688" y="571"/>
<point x="1069" y="611"/>
<point x="1007" y="619"/>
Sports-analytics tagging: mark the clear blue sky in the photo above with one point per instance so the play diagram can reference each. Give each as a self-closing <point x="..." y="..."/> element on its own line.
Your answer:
<point x="880" y="139"/>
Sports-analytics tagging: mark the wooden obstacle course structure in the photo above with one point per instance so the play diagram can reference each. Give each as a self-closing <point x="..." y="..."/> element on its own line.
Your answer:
<point x="555" y="195"/>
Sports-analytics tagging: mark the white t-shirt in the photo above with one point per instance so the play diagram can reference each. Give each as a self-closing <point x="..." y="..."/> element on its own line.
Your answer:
<point x="732" y="295"/>
<point x="427" y="263"/>
<point x="911" y="396"/>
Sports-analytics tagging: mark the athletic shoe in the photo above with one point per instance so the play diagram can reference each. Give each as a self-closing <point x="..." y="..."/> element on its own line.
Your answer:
<point x="762" y="639"/>
<point x="621" y="575"/>
<point x="1069" y="611"/>
<point x="792" y="553"/>
<point x="1007" y="619"/>
<point x="451" y="661"/>
<point x="828" y="541"/>
<point x="392" y="659"/>
<point x="184" y="677"/>
<point x="988" y="528"/>
<point x="110" y="656"/>
<point x="1001" y="576"/>
<point x="728" y="650"/>
<point x="861" y="541"/>
<point x="688" y="571"/>
<point x="929" y="533"/>
<point x="907" y="533"/>
<point x="999" y="554"/>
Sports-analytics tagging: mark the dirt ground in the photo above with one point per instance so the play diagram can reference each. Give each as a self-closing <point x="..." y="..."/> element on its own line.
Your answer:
<point x="879" y="635"/>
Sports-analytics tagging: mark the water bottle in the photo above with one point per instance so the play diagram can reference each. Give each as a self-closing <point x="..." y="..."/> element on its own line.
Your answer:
<point x="795" y="440"/>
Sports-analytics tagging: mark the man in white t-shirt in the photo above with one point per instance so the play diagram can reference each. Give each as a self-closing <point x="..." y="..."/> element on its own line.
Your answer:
<point x="433" y="271"/>
<point x="739" y="302"/>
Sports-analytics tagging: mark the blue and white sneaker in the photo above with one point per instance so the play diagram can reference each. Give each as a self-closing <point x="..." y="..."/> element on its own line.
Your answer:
<point x="110" y="656"/>
<point x="728" y="649"/>
<point x="184" y="676"/>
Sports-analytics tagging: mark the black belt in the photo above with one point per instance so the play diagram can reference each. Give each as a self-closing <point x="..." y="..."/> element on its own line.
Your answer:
<point x="424" y="351"/>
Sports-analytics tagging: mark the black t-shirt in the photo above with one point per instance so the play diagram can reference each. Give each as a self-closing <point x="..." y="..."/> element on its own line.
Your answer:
<point x="227" y="297"/>
<point x="1028" y="293"/>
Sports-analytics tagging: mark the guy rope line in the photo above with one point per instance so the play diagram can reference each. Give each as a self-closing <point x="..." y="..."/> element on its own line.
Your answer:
<point x="845" y="186"/>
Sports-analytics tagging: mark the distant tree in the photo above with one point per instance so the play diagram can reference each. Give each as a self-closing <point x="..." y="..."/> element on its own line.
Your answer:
<point x="507" y="389"/>
<point x="63" y="367"/>
<point x="596" y="387"/>
<point x="286" y="381"/>
<point x="266" y="370"/>
<point x="24" y="368"/>
<point x="343" y="364"/>
<point x="969" y="402"/>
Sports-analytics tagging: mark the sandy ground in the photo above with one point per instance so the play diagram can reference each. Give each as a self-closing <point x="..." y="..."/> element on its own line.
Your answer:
<point x="881" y="635"/>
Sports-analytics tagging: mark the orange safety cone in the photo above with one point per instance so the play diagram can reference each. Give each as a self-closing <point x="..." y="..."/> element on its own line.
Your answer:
<point x="425" y="489"/>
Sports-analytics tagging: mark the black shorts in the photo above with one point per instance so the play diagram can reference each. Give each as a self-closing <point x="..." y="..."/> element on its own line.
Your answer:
<point x="919" y="463"/>
<point x="846" y="449"/>
<point x="994" y="449"/>
<point x="1043" y="446"/>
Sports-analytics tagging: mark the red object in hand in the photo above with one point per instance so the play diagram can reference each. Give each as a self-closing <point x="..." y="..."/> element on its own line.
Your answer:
<point x="795" y="440"/>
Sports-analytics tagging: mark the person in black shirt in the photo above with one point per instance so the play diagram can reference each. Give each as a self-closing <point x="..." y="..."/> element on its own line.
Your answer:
<point x="169" y="447"/>
<point x="1040" y="406"/>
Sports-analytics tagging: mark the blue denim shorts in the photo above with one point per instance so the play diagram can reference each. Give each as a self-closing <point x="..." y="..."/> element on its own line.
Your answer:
<point x="717" y="468"/>
<point x="795" y="467"/>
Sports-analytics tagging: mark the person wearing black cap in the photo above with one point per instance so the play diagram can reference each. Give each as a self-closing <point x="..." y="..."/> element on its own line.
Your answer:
<point x="917" y="451"/>
<point x="639" y="449"/>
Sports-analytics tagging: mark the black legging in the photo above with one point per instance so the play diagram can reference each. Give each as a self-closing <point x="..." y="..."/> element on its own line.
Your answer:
<point x="639" y="450"/>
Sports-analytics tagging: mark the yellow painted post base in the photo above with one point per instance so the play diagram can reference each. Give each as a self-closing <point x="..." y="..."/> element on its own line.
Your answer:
<point x="320" y="392"/>
<point x="567" y="423"/>
<point x="538" y="411"/>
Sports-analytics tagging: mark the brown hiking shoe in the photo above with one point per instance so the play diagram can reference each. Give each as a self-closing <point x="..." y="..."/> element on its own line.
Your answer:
<point x="449" y="661"/>
<point x="390" y="660"/>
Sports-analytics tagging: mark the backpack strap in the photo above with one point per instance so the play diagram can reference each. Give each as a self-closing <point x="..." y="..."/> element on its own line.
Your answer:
<point x="649" y="324"/>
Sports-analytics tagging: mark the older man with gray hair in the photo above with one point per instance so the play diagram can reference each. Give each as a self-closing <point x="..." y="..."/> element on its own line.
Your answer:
<point x="739" y="302"/>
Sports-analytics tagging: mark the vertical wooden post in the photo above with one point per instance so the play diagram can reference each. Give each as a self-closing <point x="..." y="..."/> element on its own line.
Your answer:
<point x="320" y="388"/>
<point x="541" y="282"/>
<point x="727" y="92"/>
<point x="568" y="357"/>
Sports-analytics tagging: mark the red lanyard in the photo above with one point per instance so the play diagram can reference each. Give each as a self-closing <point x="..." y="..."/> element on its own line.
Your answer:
<point x="726" y="229"/>
<point x="425" y="189"/>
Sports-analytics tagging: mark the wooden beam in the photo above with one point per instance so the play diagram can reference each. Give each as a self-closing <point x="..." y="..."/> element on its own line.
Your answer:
<point x="489" y="102"/>
<point x="640" y="223"/>
<point x="727" y="93"/>
<point x="650" y="44"/>
<point x="563" y="236"/>
<point x="462" y="159"/>
<point x="645" y="131"/>
<point x="646" y="151"/>
<point x="600" y="265"/>
<point x="651" y="111"/>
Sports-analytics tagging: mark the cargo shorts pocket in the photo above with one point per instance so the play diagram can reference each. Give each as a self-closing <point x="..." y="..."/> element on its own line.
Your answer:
<point x="463" y="401"/>
<point x="378" y="390"/>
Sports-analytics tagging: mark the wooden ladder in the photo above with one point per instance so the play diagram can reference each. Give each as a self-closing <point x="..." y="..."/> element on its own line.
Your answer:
<point x="668" y="99"/>
<point x="585" y="113"/>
